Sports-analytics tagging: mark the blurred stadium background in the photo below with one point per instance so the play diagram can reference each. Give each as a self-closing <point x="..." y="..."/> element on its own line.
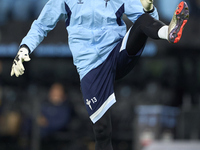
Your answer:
<point x="159" y="101"/>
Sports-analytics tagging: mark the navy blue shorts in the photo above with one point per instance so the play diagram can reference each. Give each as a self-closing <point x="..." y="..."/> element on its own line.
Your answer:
<point x="98" y="85"/>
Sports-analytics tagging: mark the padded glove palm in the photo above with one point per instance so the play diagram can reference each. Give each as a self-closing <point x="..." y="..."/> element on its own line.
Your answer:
<point x="17" y="67"/>
<point x="147" y="5"/>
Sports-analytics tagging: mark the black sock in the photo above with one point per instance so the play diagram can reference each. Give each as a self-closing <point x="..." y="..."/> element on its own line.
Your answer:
<point x="103" y="131"/>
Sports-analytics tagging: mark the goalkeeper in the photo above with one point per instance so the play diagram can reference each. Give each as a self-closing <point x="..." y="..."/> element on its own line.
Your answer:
<point x="103" y="51"/>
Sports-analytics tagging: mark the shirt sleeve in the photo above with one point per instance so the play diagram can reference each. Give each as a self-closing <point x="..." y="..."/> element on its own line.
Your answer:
<point x="134" y="9"/>
<point x="53" y="11"/>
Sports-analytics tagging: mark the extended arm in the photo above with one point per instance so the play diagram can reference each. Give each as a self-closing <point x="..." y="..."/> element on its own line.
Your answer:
<point x="52" y="12"/>
<point x="135" y="8"/>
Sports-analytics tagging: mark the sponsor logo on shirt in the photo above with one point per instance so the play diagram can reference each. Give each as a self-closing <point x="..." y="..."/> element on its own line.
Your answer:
<point x="106" y="2"/>
<point x="80" y="2"/>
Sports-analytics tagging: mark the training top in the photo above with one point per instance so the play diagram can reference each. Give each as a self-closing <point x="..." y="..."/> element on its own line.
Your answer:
<point x="94" y="27"/>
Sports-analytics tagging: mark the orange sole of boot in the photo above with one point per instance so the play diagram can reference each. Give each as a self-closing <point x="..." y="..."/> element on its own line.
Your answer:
<point x="182" y="15"/>
<point x="180" y="8"/>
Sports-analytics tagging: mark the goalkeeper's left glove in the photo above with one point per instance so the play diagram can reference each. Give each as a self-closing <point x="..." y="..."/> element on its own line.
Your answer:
<point x="17" y="67"/>
<point x="147" y="5"/>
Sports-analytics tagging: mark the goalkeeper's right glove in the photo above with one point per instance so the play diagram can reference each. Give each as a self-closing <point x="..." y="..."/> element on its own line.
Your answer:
<point x="17" y="67"/>
<point x="147" y="5"/>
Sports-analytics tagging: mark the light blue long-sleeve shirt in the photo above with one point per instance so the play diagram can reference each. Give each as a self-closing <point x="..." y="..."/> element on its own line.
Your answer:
<point x="94" y="27"/>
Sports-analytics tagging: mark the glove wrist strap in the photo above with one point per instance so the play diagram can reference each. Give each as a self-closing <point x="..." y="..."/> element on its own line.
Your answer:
<point x="25" y="46"/>
<point x="150" y="11"/>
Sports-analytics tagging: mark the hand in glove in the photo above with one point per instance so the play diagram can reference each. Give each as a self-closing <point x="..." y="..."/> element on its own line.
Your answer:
<point x="17" y="67"/>
<point x="147" y="5"/>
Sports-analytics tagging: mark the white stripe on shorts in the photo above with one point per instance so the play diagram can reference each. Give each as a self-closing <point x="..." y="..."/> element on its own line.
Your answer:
<point x="104" y="107"/>
<point x="123" y="47"/>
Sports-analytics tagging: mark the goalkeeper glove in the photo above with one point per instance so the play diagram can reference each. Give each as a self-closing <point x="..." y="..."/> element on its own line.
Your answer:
<point x="17" y="67"/>
<point x="147" y="5"/>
